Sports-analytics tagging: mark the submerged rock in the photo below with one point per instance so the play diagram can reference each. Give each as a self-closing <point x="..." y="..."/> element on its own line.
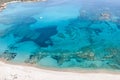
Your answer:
<point x="61" y="58"/>
<point x="35" y="58"/>
<point x="8" y="56"/>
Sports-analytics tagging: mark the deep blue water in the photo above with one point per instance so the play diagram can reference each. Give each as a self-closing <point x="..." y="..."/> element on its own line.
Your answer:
<point x="64" y="33"/>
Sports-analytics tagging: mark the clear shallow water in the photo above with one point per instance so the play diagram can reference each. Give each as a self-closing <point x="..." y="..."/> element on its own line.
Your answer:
<point x="83" y="34"/>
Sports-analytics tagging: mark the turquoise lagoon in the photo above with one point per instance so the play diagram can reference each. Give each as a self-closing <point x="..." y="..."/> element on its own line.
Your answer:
<point x="62" y="33"/>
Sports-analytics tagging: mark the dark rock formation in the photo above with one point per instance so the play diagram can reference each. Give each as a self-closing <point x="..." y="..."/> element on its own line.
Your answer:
<point x="35" y="58"/>
<point x="8" y="55"/>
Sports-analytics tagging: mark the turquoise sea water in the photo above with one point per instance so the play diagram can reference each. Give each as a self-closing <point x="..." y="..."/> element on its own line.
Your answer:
<point x="62" y="33"/>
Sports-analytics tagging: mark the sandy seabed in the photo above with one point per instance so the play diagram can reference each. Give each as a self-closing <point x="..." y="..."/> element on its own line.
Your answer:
<point x="21" y="72"/>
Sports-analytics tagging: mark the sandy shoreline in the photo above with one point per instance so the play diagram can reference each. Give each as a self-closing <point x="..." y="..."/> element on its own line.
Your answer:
<point x="3" y="5"/>
<point x="72" y="70"/>
<point x="17" y="72"/>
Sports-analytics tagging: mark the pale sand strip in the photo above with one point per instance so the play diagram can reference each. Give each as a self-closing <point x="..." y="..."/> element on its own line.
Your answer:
<point x="3" y="6"/>
<point x="17" y="72"/>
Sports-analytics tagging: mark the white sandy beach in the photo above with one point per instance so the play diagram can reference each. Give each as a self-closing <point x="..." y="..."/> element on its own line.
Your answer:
<point x="3" y="6"/>
<point x="17" y="72"/>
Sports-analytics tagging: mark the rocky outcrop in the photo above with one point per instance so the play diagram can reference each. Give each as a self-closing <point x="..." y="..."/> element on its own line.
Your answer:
<point x="8" y="56"/>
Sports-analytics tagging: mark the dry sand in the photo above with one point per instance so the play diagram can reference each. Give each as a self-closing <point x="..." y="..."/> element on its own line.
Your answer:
<point x="20" y="72"/>
<point x="4" y="3"/>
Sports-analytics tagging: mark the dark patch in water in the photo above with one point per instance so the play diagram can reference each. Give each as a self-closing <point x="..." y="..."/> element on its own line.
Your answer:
<point x="43" y="39"/>
<point x="118" y="26"/>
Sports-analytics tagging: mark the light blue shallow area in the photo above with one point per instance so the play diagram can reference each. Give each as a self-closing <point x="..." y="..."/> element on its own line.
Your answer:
<point x="62" y="33"/>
